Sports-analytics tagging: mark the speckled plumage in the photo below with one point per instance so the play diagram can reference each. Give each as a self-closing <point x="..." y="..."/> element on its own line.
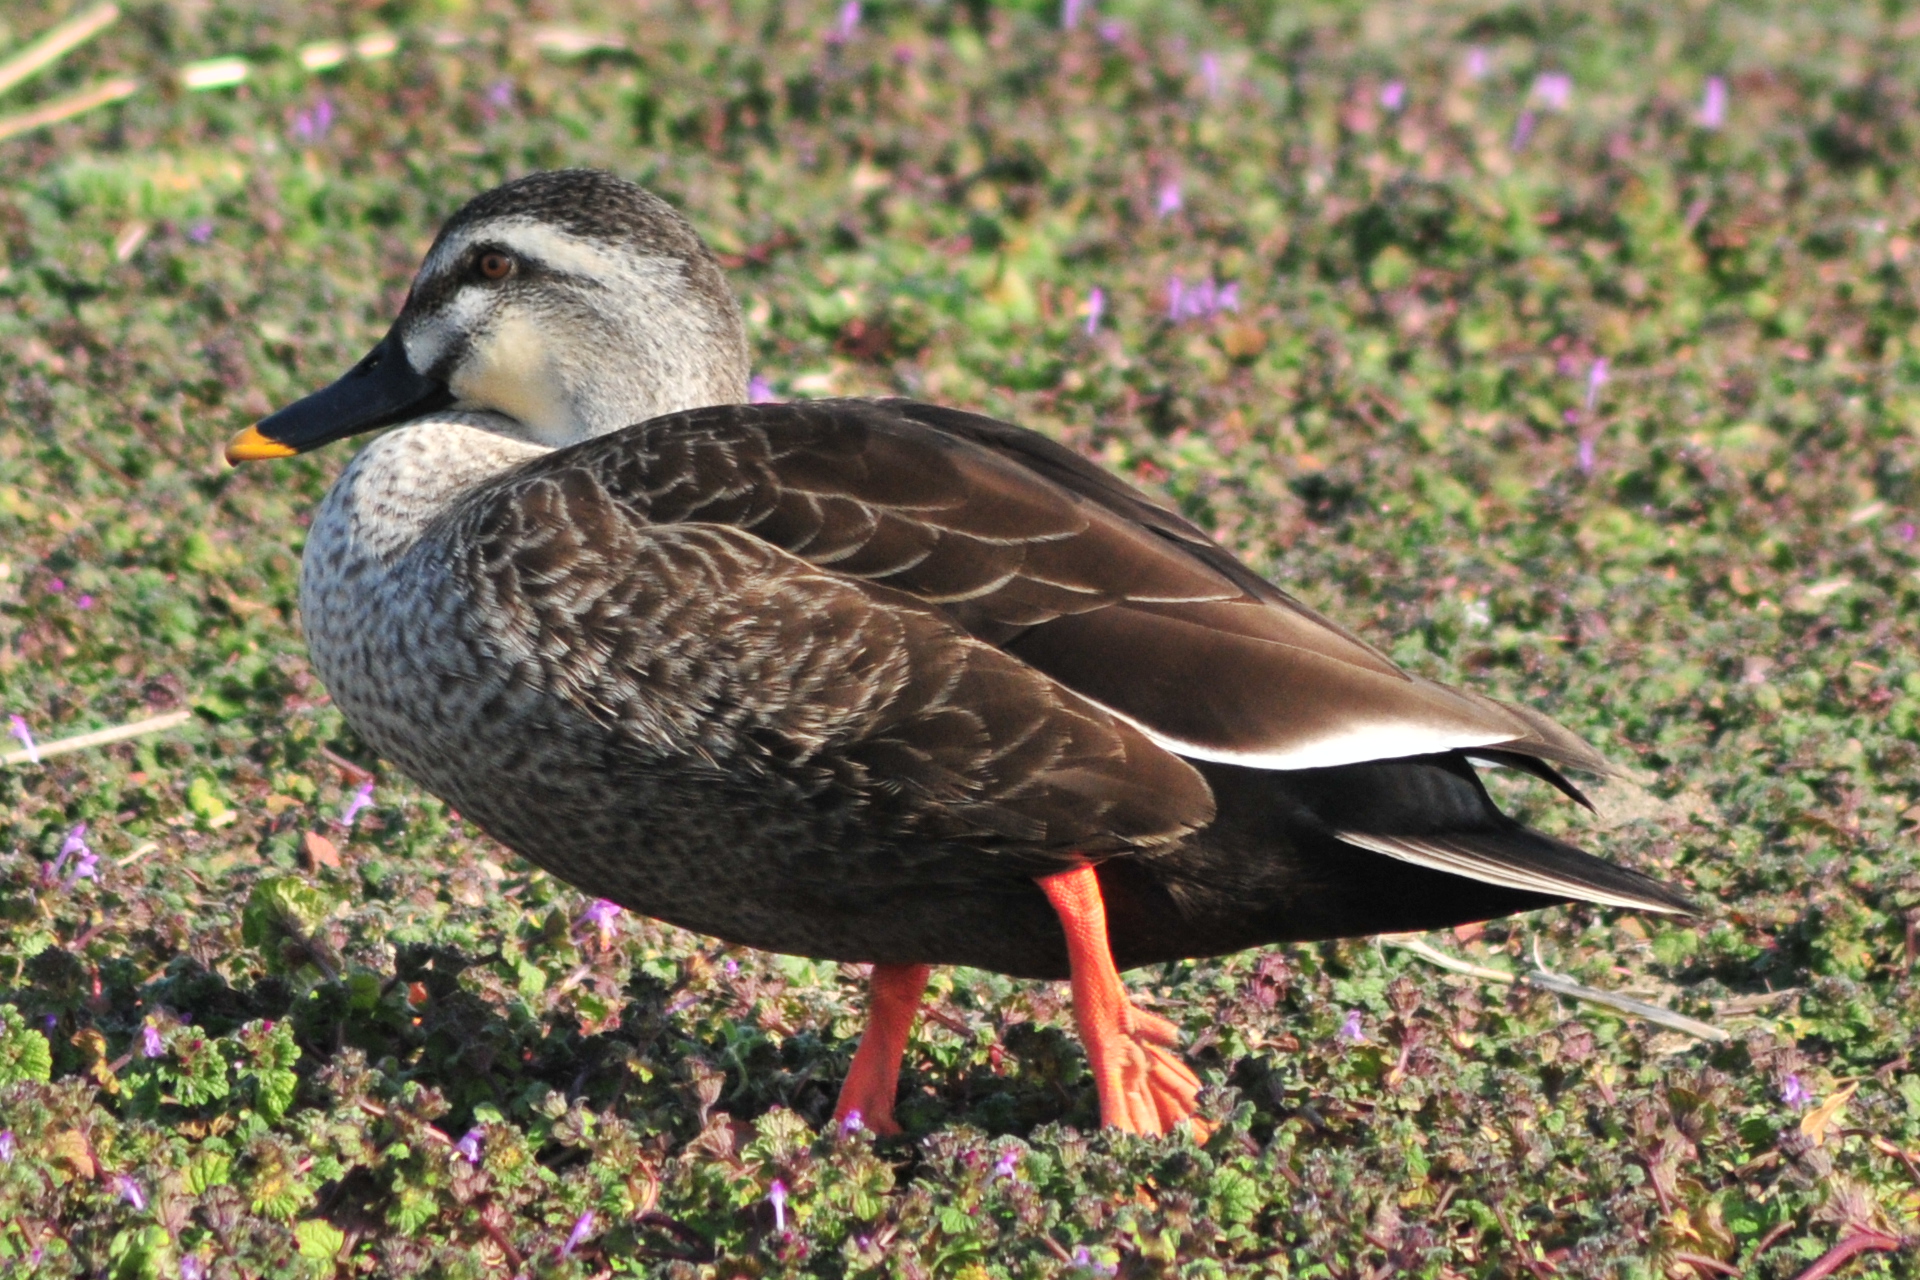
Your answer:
<point x="696" y="724"/>
<point x="842" y="678"/>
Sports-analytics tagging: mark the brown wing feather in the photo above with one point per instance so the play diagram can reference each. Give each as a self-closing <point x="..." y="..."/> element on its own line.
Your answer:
<point x="701" y="641"/>
<point x="1027" y="546"/>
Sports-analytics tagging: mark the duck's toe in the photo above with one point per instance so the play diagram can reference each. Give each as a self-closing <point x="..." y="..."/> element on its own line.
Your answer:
<point x="874" y="1078"/>
<point x="1144" y="1086"/>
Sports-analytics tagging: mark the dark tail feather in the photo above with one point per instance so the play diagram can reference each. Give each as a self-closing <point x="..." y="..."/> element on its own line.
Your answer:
<point x="1433" y="812"/>
<point x="1537" y="767"/>
<point x="1519" y="858"/>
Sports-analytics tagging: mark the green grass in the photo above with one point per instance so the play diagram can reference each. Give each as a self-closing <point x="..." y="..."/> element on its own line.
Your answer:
<point x="222" y="1056"/>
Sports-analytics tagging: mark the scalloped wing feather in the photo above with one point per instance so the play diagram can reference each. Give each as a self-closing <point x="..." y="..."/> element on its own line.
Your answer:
<point x="701" y="640"/>
<point x="1029" y="547"/>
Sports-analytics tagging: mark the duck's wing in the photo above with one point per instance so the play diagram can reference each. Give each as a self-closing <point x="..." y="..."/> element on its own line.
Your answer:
<point x="1029" y="547"/>
<point x="700" y="641"/>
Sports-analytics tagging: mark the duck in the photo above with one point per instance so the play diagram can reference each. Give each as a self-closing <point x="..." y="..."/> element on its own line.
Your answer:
<point x="864" y="680"/>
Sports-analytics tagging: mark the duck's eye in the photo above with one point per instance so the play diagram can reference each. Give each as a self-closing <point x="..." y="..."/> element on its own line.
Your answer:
<point x="494" y="266"/>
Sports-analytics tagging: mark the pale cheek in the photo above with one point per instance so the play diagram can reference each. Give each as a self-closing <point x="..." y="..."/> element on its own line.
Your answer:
<point x="510" y="372"/>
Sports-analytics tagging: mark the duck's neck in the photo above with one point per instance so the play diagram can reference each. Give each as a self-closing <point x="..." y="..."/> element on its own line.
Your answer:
<point x="400" y="482"/>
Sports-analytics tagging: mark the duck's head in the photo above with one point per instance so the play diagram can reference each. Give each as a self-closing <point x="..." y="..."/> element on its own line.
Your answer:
<point x="570" y="304"/>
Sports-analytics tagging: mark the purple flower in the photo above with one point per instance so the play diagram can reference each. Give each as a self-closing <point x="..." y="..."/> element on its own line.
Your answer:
<point x="56" y="585"/>
<point x="200" y="232"/>
<point x="83" y="602"/>
<point x="1070" y="13"/>
<point x="851" y="1123"/>
<point x="151" y="1045"/>
<point x="1479" y="62"/>
<point x="1393" y="95"/>
<point x="1584" y="456"/>
<point x="730" y="968"/>
<point x="1007" y="1166"/>
<point x="129" y="1190"/>
<point x="602" y="915"/>
<point x="1350" y="1030"/>
<point x="1905" y="530"/>
<point x="85" y="863"/>
<point x="777" y="1194"/>
<point x="1111" y="31"/>
<point x="497" y="98"/>
<point x="1200" y="300"/>
<point x="191" y="1268"/>
<point x="760" y="391"/>
<point x="1522" y="131"/>
<point x="582" y="1228"/>
<point x="1210" y="73"/>
<point x="1085" y="1261"/>
<point x="1096" y="306"/>
<point x="312" y="124"/>
<point x="6" y="1146"/>
<point x="1596" y="379"/>
<point x="1793" y="1092"/>
<point x="468" y="1148"/>
<point x="17" y="726"/>
<point x="1713" y="104"/>
<point x="361" y="798"/>
<point x="1169" y="201"/>
<point x="1553" y="90"/>
<point x="846" y="24"/>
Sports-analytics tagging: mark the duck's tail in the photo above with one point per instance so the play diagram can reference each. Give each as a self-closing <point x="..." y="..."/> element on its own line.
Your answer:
<point x="1434" y="812"/>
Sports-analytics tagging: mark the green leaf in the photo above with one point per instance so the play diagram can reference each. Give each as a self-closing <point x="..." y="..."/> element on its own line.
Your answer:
<point x="207" y="1170"/>
<point x="139" y="1253"/>
<point x="412" y="1209"/>
<point x="282" y="910"/>
<point x="319" y="1239"/>
<point x="1236" y="1197"/>
<point x="24" y="1052"/>
<point x="203" y="797"/>
<point x="269" y="1071"/>
<point x="198" y="1071"/>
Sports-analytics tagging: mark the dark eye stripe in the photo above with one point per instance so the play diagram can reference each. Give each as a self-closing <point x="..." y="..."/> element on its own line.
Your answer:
<point x="430" y="293"/>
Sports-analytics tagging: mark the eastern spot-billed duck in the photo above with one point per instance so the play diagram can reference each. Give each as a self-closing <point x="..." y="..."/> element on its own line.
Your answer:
<point x="862" y="680"/>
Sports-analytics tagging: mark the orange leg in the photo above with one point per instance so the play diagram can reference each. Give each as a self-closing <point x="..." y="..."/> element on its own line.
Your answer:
<point x="1144" y="1087"/>
<point x="874" y="1077"/>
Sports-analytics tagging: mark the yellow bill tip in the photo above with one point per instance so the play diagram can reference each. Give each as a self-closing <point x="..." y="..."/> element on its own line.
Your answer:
<point x="251" y="446"/>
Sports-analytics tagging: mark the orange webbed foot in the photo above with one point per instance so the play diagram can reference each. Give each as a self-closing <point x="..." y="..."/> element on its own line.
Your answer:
<point x="873" y="1081"/>
<point x="1144" y="1086"/>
